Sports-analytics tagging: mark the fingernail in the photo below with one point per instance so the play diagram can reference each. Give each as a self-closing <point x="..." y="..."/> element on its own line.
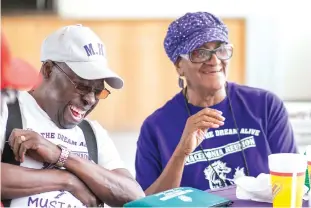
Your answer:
<point x="220" y="112"/>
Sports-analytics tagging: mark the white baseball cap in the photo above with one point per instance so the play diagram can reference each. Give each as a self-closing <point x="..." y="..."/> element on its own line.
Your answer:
<point x="83" y="51"/>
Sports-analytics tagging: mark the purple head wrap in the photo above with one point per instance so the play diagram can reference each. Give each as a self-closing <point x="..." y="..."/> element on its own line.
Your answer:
<point x="192" y="31"/>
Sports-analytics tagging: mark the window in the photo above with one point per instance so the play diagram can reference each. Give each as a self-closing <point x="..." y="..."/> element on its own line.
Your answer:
<point x="27" y="6"/>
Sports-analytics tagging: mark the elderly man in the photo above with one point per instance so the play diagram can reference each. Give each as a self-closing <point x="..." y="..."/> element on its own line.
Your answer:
<point x="52" y="160"/>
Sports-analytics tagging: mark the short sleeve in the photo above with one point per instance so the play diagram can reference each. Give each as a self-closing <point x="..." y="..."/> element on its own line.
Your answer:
<point x="148" y="161"/>
<point x="108" y="156"/>
<point x="280" y="132"/>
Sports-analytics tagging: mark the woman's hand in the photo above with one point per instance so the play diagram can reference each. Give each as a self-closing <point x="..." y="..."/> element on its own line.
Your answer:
<point x="195" y="129"/>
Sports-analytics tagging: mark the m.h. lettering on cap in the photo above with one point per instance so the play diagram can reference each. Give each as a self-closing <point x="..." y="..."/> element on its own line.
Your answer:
<point x="90" y="51"/>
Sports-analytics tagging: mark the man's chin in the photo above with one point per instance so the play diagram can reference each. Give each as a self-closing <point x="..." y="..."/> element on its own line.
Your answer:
<point x="69" y="125"/>
<point x="65" y="124"/>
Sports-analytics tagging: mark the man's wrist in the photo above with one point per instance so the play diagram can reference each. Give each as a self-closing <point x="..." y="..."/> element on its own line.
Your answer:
<point x="68" y="181"/>
<point x="65" y="152"/>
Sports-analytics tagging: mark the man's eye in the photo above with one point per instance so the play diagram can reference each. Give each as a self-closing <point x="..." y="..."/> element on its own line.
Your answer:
<point x="83" y="88"/>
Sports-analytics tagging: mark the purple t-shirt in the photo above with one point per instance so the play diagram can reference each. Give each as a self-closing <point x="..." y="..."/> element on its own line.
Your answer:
<point x="263" y="126"/>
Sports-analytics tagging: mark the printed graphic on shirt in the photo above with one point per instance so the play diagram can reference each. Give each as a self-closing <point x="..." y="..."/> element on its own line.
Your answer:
<point x="217" y="172"/>
<point x="219" y="152"/>
<point x="225" y="132"/>
<point x="58" y="136"/>
<point x="56" y="202"/>
<point x="60" y="199"/>
<point x="61" y="137"/>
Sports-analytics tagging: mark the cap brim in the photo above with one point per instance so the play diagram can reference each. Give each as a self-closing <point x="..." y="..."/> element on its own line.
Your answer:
<point x="96" y="70"/>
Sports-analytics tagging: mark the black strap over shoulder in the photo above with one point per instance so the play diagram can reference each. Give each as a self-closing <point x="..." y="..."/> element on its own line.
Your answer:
<point x="90" y="140"/>
<point x="14" y="121"/>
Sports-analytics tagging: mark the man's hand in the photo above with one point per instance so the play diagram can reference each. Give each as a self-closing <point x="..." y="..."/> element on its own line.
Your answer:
<point x="34" y="145"/>
<point x="82" y="192"/>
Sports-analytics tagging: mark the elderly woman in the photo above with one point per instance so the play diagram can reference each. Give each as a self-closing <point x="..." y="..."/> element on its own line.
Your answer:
<point x="212" y="131"/>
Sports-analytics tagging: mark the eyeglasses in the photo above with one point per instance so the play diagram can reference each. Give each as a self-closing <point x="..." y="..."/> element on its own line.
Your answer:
<point x="201" y="55"/>
<point x="83" y="89"/>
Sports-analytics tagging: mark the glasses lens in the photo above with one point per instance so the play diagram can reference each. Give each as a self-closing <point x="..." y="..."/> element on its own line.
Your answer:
<point x="103" y="94"/>
<point x="224" y="52"/>
<point x="83" y="89"/>
<point x="200" y="55"/>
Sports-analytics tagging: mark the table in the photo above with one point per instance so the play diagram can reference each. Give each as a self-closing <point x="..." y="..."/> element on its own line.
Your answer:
<point x="230" y="193"/>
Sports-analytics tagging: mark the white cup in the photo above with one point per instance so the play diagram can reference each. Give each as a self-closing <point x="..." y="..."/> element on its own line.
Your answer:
<point x="287" y="162"/>
<point x="287" y="171"/>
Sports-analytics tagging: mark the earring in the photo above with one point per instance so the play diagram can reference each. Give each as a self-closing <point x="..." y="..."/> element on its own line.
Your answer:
<point x="181" y="82"/>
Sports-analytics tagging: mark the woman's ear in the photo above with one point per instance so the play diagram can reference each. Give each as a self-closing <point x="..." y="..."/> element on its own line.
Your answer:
<point x="46" y="69"/>
<point x="178" y="64"/>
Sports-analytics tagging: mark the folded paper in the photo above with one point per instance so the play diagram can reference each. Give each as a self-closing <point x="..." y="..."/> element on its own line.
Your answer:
<point x="257" y="189"/>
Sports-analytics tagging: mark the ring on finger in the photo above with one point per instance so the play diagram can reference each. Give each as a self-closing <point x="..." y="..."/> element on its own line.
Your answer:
<point x="23" y="138"/>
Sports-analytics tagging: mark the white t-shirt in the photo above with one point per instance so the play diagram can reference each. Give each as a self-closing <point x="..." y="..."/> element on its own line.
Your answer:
<point x="34" y="118"/>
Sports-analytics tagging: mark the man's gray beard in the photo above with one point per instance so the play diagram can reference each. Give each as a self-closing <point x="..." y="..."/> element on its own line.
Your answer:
<point x="7" y="96"/>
